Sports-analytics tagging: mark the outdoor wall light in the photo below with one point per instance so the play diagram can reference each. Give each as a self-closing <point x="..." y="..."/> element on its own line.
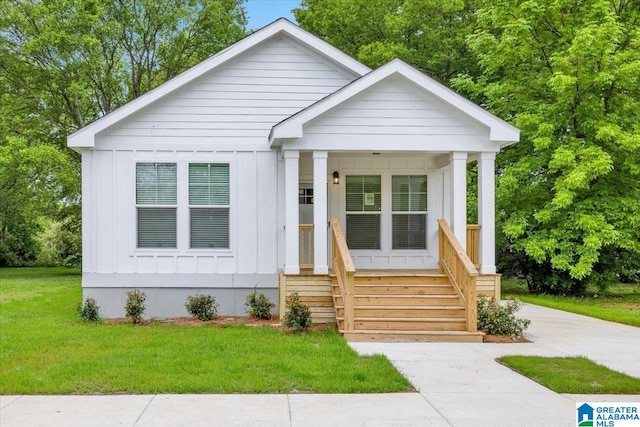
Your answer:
<point x="336" y="177"/>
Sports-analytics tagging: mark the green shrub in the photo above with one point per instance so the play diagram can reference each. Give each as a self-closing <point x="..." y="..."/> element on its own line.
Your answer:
<point x="497" y="319"/>
<point x="259" y="305"/>
<point x="204" y="307"/>
<point x="89" y="311"/>
<point x="135" y="307"/>
<point x="73" y="261"/>
<point x="298" y="315"/>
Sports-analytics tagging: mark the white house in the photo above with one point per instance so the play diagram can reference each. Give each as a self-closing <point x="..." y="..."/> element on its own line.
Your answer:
<point x="201" y="185"/>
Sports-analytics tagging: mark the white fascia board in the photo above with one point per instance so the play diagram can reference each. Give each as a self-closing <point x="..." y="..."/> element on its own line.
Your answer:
<point x="292" y="127"/>
<point x="499" y="130"/>
<point x="85" y="137"/>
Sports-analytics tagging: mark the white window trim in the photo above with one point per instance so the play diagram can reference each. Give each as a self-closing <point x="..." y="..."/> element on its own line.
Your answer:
<point x="386" y="237"/>
<point x="190" y="206"/>
<point x="182" y="210"/>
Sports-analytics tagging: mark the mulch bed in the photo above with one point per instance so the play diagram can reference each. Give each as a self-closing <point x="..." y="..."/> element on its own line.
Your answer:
<point x="219" y="322"/>
<point x="503" y="339"/>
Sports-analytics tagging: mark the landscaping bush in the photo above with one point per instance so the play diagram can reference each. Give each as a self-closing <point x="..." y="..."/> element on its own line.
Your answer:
<point x="497" y="319"/>
<point x="259" y="305"/>
<point x="204" y="307"/>
<point x="135" y="305"/>
<point x="89" y="311"/>
<point x="298" y="315"/>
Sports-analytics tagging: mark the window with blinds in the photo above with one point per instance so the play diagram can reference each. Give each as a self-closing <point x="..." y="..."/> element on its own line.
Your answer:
<point x="409" y="211"/>
<point x="156" y="203"/>
<point x="209" y="205"/>
<point x="363" y="198"/>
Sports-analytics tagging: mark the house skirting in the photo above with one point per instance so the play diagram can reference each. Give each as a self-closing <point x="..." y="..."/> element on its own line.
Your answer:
<point x="314" y="291"/>
<point x="488" y="285"/>
<point x="167" y="293"/>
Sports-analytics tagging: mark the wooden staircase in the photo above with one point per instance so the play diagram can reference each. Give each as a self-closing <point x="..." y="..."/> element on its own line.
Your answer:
<point x="403" y="307"/>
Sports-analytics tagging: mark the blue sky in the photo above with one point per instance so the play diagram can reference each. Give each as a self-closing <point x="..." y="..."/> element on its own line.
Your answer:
<point x="263" y="12"/>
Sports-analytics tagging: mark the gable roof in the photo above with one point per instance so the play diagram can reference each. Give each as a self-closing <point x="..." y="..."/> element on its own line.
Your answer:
<point x="85" y="137"/>
<point x="499" y="131"/>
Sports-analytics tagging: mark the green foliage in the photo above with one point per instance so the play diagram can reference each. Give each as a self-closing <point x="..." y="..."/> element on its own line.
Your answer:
<point x="34" y="182"/>
<point x="46" y="350"/>
<point x="259" y="305"/>
<point x="298" y="315"/>
<point x="576" y="375"/>
<point x="135" y="307"/>
<point x="428" y="34"/>
<point x="566" y="74"/>
<point x="204" y="307"/>
<point x="89" y="311"/>
<point x="498" y="319"/>
<point x="66" y="63"/>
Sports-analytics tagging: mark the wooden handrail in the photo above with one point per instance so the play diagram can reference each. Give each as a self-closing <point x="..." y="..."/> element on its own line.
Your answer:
<point x="473" y="243"/>
<point x="455" y="262"/>
<point x="306" y="246"/>
<point x="345" y="271"/>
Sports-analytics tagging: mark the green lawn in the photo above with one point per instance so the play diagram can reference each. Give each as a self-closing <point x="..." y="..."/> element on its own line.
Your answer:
<point x="620" y="304"/>
<point x="46" y="349"/>
<point x="575" y="375"/>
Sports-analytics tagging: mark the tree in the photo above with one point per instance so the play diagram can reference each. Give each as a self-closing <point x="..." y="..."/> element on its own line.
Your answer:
<point x="429" y="34"/>
<point x="567" y="74"/>
<point x="65" y="63"/>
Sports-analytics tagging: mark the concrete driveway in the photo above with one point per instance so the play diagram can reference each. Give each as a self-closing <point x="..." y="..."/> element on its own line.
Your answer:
<point x="459" y="385"/>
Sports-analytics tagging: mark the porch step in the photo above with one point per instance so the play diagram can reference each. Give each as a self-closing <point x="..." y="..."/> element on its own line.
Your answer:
<point x="412" y="324"/>
<point x="404" y="307"/>
<point x="405" y="311"/>
<point x="403" y="300"/>
<point x="444" y="289"/>
<point x="407" y="336"/>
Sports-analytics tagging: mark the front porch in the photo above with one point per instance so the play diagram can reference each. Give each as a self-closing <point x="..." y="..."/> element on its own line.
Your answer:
<point x="396" y="305"/>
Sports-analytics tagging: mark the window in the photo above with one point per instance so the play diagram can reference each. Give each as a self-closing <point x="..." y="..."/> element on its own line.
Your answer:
<point x="409" y="216"/>
<point x="209" y="205"/>
<point x="363" y="197"/>
<point x="156" y="200"/>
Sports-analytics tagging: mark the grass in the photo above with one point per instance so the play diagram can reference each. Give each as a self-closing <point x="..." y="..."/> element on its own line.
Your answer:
<point x="46" y="349"/>
<point x="621" y="302"/>
<point x="575" y="375"/>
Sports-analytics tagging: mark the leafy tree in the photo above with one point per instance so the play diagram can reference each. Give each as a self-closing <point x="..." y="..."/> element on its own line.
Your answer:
<point x="567" y="74"/>
<point x="65" y="63"/>
<point x="429" y="34"/>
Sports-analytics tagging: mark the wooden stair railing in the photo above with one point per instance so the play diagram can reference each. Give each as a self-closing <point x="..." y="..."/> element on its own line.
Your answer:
<point x="306" y="245"/>
<point x="345" y="271"/>
<point x="455" y="262"/>
<point x="473" y="243"/>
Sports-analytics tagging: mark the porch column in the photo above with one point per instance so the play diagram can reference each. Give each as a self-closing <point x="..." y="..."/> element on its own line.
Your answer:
<point x="320" y="265"/>
<point x="486" y="212"/>
<point x="291" y="214"/>
<point x="458" y="176"/>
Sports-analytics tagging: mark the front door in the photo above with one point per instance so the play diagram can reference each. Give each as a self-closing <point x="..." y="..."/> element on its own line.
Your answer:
<point x="305" y="206"/>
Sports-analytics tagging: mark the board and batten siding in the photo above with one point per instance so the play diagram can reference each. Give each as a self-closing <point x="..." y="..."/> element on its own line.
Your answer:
<point x="239" y="102"/>
<point x="253" y="238"/>
<point x="224" y="116"/>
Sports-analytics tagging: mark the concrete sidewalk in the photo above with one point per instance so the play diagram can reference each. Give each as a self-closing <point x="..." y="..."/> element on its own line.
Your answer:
<point x="459" y="385"/>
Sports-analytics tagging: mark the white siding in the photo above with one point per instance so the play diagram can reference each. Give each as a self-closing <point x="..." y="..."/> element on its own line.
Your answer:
<point x="238" y="103"/>
<point x="393" y="115"/>
<point x="388" y="165"/>
<point x="110" y="197"/>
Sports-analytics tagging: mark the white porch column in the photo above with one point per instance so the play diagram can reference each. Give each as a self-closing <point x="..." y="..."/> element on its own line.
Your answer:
<point x="486" y="212"/>
<point x="320" y="265"/>
<point x="458" y="188"/>
<point x="291" y="213"/>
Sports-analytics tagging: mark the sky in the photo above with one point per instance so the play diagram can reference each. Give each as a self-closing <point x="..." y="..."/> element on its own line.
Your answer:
<point x="263" y="12"/>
